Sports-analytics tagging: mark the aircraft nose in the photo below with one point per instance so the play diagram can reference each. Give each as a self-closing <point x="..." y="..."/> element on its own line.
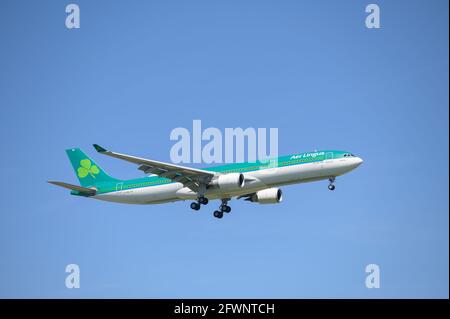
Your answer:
<point x="359" y="161"/>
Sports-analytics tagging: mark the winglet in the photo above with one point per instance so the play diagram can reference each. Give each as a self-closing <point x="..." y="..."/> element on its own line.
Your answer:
<point x="99" y="149"/>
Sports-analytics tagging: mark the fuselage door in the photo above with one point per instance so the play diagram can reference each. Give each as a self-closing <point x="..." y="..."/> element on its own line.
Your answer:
<point x="326" y="162"/>
<point x="119" y="186"/>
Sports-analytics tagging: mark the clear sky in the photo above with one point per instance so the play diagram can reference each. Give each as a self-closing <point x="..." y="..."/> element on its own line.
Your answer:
<point x="135" y="70"/>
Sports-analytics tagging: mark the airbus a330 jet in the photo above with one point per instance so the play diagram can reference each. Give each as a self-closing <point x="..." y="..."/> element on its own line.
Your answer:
<point x="256" y="182"/>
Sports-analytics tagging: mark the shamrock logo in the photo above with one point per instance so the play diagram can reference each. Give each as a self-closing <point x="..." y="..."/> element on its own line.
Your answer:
<point x="86" y="168"/>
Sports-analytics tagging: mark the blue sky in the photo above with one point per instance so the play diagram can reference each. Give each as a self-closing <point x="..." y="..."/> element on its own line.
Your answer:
<point x="136" y="70"/>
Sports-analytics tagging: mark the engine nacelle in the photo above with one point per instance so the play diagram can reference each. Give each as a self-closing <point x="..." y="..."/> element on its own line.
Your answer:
<point x="268" y="196"/>
<point x="232" y="181"/>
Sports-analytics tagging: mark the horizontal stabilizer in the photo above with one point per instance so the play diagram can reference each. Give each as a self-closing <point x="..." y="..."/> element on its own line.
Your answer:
<point x="80" y="189"/>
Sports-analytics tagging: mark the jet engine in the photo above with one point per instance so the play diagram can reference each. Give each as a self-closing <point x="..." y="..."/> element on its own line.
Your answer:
<point x="230" y="182"/>
<point x="267" y="196"/>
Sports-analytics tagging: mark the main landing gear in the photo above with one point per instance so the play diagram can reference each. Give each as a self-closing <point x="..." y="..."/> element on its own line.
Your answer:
<point x="223" y="208"/>
<point x="202" y="200"/>
<point x="331" y="186"/>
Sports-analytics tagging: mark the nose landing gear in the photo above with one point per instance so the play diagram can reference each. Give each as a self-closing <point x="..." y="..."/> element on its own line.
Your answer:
<point x="331" y="186"/>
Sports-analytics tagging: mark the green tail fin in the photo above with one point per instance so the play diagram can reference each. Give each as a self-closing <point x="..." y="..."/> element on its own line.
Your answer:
<point x="87" y="171"/>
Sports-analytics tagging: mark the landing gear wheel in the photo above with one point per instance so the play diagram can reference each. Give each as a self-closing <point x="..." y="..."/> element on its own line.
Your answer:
<point x="203" y="200"/>
<point x="331" y="187"/>
<point x="218" y="214"/>
<point x="195" y="206"/>
<point x="226" y="209"/>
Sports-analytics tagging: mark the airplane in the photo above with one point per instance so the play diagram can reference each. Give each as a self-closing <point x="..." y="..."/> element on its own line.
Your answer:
<point x="254" y="181"/>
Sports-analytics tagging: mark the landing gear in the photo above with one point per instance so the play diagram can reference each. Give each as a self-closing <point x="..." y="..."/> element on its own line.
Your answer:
<point x="224" y="208"/>
<point x="202" y="200"/>
<point x="331" y="186"/>
<point x="218" y="214"/>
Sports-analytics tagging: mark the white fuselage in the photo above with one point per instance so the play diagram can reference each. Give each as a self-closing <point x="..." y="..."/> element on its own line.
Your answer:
<point x="254" y="181"/>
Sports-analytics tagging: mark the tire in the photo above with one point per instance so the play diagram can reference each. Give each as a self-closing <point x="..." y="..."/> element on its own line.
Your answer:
<point x="217" y="214"/>
<point x="331" y="187"/>
<point x="195" y="206"/>
<point x="226" y="209"/>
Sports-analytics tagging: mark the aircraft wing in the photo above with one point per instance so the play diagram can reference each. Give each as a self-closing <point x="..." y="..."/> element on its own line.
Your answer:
<point x="189" y="177"/>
